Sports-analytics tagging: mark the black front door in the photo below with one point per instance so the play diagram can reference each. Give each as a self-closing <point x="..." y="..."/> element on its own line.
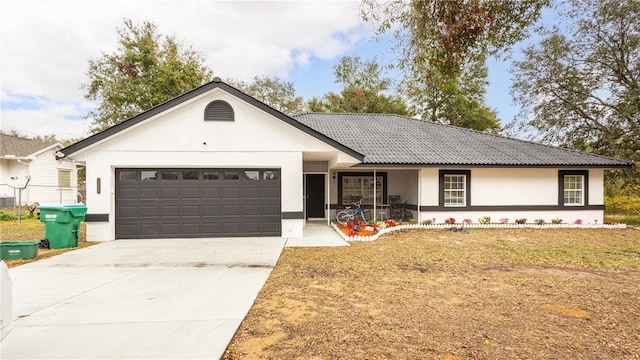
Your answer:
<point x="315" y="195"/>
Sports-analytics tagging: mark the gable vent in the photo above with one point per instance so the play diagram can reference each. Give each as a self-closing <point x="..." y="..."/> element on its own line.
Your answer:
<point x="218" y="110"/>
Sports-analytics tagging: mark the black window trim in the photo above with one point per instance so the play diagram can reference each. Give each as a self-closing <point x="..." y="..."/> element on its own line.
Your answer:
<point x="585" y="188"/>
<point x="467" y="184"/>
<point x="362" y="174"/>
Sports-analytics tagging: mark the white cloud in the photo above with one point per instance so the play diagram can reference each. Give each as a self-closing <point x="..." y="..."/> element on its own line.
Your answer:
<point x="46" y="44"/>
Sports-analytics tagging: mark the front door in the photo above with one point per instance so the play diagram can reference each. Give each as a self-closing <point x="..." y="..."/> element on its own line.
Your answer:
<point x="315" y="196"/>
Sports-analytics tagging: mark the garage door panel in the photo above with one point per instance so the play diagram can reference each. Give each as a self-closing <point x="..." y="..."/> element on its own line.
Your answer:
<point x="211" y="210"/>
<point x="232" y="210"/>
<point x="149" y="193"/>
<point x="197" y="203"/>
<point x="191" y="229"/>
<point x="191" y="193"/>
<point x="251" y="192"/>
<point x="271" y="210"/>
<point x="231" y="193"/>
<point x="268" y="193"/>
<point x="149" y="229"/>
<point x="251" y="209"/>
<point x="171" y="229"/>
<point x="148" y="211"/>
<point x="191" y="210"/>
<point x="129" y="211"/>
<point x="210" y="193"/>
<point x="128" y="193"/>
<point x="170" y="193"/>
<point x="170" y="210"/>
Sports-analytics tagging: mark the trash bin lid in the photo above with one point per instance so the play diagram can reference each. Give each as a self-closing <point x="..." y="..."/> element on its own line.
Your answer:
<point x="77" y="210"/>
<point x="52" y="207"/>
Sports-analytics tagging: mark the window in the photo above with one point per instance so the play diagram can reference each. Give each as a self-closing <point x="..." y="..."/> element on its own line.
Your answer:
<point x="455" y="188"/>
<point x="573" y="188"/>
<point x="353" y="186"/>
<point x="190" y="175"/>
<point x="64" y="178"/>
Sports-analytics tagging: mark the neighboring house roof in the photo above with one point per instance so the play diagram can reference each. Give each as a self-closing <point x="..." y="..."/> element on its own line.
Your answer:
<point x="20" y="148"/>
<point x="387" y="139"/>
<point x="216" y="83"/>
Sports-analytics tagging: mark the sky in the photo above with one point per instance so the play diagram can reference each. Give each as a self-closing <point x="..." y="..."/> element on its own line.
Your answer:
<point x="46" y="45"/>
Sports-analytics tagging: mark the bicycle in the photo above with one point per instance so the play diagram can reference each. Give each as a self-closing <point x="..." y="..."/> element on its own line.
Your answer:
<point x="349" y="213"/>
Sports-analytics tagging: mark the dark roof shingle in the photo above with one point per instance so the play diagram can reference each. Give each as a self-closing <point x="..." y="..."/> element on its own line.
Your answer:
<point x="398" y="140"/>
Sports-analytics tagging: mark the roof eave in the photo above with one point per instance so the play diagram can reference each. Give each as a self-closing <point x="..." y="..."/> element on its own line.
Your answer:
<point x="216" y="83"/>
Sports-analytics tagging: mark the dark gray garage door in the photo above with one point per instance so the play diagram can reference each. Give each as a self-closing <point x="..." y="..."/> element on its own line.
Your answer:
<point x="167" y="203"/>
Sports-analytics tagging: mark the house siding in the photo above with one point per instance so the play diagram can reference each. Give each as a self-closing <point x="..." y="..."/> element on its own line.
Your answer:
<point x="44" y="188"/>
<point x="513" y="193"/>
<point x="181" y="138"/>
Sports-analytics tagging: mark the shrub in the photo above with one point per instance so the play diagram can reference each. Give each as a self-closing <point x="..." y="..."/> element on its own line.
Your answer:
<point x="413" y="221"/>
<point x="7" y="216"/>
<point x="556" y="221"/>
<point x="622" y="205"/>
<point x="540" y="222"/>
<point x="485" y="220"/>
<point x="450" y="221"/>
<point x="467" y="221"/>
<point x="427" y="222"/>
<point x="521" y="221"/>
<point x="578" y="222"/>
<point x="504" y="221"/>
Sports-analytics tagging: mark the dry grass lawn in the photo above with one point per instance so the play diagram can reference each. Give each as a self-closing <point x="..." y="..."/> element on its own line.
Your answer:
<point x="430" y="294"/>
<point x="33" y="229"/>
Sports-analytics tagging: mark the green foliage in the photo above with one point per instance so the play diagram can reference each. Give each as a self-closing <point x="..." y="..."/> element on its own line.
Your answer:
<point x="485" y="220"/>
<point x="556" y="221"/>
<point x="444" y="45"/>
<point x="622" y="205"/>
<point x="146" y="70"/>
<point x="580" y="85"/>
<point x="4" y="216"/>
<point x="539" y="221"/>
<point x="364" y="91"/>
<point x="273" y="92"/>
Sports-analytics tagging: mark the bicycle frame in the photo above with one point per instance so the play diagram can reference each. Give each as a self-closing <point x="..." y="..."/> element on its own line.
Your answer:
<point x="349" y="213"/>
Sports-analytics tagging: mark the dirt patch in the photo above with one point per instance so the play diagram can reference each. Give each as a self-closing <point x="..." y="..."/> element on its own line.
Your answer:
<point x="428" y="294"/>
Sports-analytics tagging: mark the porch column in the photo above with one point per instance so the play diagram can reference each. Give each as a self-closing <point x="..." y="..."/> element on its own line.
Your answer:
<point x="375" y="195"/>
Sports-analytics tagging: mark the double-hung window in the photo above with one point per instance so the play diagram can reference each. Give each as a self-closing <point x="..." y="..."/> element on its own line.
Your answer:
<point x="573" y="188"/>
<point x="454" y="188"/>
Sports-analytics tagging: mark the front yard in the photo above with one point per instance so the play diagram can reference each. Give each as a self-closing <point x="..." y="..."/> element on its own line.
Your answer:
<point x="434" y="294"/>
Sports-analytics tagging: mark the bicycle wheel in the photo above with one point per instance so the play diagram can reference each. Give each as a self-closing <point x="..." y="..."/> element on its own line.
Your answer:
<point x="343" y="217"/>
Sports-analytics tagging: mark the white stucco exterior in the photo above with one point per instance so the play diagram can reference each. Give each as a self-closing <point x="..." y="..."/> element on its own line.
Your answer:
<point x="261" y="138"/>
<point x="181" y="138"/>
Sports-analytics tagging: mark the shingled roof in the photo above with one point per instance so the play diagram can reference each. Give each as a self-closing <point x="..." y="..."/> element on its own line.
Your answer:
<point x="13" y="146"/>
<point x="387" y="139"/>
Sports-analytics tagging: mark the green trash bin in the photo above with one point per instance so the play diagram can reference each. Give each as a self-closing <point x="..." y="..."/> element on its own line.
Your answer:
<point x="62" y="224"/>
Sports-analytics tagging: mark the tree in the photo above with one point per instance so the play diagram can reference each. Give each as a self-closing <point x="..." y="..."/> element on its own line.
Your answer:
<point x="457" y="102"/>
<point x="364" y="90"/>
<point x="444" y="45"/>
<point x="146" y="70"/>
<point x="583" y="90"/>
<point x="273" y="92"/>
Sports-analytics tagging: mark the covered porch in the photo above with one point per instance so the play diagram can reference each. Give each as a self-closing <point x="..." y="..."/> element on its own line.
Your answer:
<point x="386" y="193"/>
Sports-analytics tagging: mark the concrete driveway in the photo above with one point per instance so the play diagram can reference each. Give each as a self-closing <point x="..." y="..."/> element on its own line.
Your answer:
<point x="126" y="299"/>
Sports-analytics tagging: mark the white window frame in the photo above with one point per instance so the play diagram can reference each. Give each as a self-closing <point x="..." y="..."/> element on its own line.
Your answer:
<point x="571" y="191"/>
<point x="460" y="190"/>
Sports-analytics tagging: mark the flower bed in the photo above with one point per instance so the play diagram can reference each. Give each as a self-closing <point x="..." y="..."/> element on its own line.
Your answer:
<point x="366" y="232"/>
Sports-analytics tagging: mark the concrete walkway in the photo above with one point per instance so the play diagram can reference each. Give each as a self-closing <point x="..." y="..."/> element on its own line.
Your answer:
<point x="143" y="299"/>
